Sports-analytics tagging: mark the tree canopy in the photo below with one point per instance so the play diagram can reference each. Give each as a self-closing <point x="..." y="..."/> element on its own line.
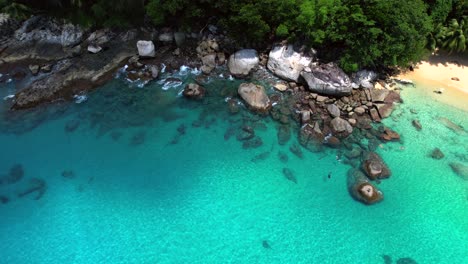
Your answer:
<point x="357" y="33"/>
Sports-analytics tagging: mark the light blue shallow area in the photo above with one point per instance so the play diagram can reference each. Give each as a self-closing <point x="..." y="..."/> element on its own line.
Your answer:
<point x="203" y="200"/>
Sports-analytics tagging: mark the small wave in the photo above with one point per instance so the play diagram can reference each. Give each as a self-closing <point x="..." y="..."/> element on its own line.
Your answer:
<point x="80" y="98"/>
<point x="231" y="78"/>
<point x="163" y="68"/>
<point x="195" y="71"/>
<point x="171" y="84"/>
<point x="9" y="97"/>
<point x="221" y="76"/>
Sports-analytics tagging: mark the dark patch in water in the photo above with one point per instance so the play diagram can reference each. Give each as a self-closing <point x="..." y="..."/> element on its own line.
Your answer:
<point x="260" y="157"/>
<point x="4" y="199"/>
<point x="14" y="175"/>
<point x="265" y="244"/>
<point x="283" y="157"/>
<point x="37" y="186"/>
<point x="296" y="150"/>
<point x="115" y="135"/>
<point x="138" y="138"/>
<point x="68" y="174"/>
<point x="288" y="174"/>
<point x="71" y="126"/>
<point x="229" y="133"/>
<point x="387" y="259"/>
<point x="406" y="261"/>
<point x="182" y="129"/>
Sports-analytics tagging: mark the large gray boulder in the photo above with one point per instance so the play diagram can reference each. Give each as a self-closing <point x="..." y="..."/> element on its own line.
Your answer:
<point x="341" y="127"/>
<point x="242" y="62"/>
<point x="146" y="48"/>
<point x="47" y="30"/>
<point x="286" y="63"/>
<point x="255" y="96"/>
<point x="365" y="78"/>
<point x="328" y="79"/>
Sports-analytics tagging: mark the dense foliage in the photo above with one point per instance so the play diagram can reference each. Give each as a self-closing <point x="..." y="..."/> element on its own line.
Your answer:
<point x="358" y="33"/>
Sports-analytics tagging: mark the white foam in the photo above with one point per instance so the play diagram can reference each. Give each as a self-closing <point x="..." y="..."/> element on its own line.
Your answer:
<point x="221" y="76"/>
<point x="195" y="71"/>
<point x="171" y="84"/>
<point x="9" y="80"/>
<point x="231" y="78"/>
<point x="163" y="68"/>
<point x="9" y="97"/>
<point x="80" y="98"/>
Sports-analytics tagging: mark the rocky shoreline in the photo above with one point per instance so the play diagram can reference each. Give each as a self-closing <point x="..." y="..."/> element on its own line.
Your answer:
<point x="52" y="60"/>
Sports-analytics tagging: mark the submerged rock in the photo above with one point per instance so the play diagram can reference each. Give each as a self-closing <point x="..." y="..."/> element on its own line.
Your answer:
<point x="416" y="124"/>
<point x="260" y="157"/>
<point x="328" y="79"/>
<point x="14" y="175"/>
<point x="406" y="261"/>
<point x="72" y="125"/>
<point x="265" y="244"/>
<point x="341" y="127"/>
<point x="283" y="157"/>
<point x="283" y="134"/>
<point x="194" y="91"/>
<point x="255" y="96"/>
<point x="361" y="189"/>
<point x="242" y="62"/>
<point x="452" y="126"/>
<point x="460" y="169"/>
<point x="374" y="167"/>
<point x="4" y="199"/>
<point x="296" y="150"/>
<point x="69" y="174"/>
<point x="286" y="63"/>
<point x="437" y="154"/>
<point x="37" y="186"/>
<point x="289" y="175"/>
<point x="255" y="142"/>
<point x="389" y="135"/>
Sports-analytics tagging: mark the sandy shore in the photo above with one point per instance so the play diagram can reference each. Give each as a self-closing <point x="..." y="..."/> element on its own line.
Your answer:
<point x="437" y="72"/>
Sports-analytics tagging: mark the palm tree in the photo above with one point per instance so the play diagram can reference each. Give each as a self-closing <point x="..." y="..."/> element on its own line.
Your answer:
<point x="454" y="38"/>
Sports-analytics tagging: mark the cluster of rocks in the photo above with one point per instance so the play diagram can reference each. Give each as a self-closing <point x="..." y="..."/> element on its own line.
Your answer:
<point x="332" y="109"/>
<point x="14" y="177"/>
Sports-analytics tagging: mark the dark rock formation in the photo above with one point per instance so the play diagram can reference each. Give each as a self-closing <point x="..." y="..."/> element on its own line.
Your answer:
<point x="389" y="135"/>
<point x="296" y="150"/>
<point x="289" y="175"/>
<point x="14" y="175"/>
<point x="460" y="169"/>
<point x="283" y="134"/>
<point x="194" y="91"/>
<point x="374" y="166"/>
<point x="328" y="79"/>
<point x="255" y="142"/>
<point x="68" y="174"/>
<point x="416" y="124"/>
<point x="283" y="157"/>
<point x="37" y="186"/>
<point x="361" y="189"/>
<point x="437" y="154"/>
<point x="72" y="125"/>
<point x="341" y="127"/>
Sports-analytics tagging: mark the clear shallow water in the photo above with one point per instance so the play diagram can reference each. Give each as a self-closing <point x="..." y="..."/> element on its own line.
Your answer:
<point x="138" y="198"/>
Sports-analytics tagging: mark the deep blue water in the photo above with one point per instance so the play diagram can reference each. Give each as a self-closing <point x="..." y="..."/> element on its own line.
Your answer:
<point x="153" y="179"/>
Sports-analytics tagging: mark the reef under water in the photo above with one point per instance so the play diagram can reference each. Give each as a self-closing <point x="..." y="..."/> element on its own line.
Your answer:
<point x="141" y="174"/>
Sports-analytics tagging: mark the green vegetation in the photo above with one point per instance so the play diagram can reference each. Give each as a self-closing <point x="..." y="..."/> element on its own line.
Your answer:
<point x="357" y="33"/>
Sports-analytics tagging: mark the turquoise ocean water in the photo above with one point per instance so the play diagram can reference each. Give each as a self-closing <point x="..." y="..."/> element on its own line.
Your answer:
<point x="153" y="179"/>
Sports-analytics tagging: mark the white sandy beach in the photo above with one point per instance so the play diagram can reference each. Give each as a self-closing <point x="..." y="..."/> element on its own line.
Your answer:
<point x="437" y="72"/>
